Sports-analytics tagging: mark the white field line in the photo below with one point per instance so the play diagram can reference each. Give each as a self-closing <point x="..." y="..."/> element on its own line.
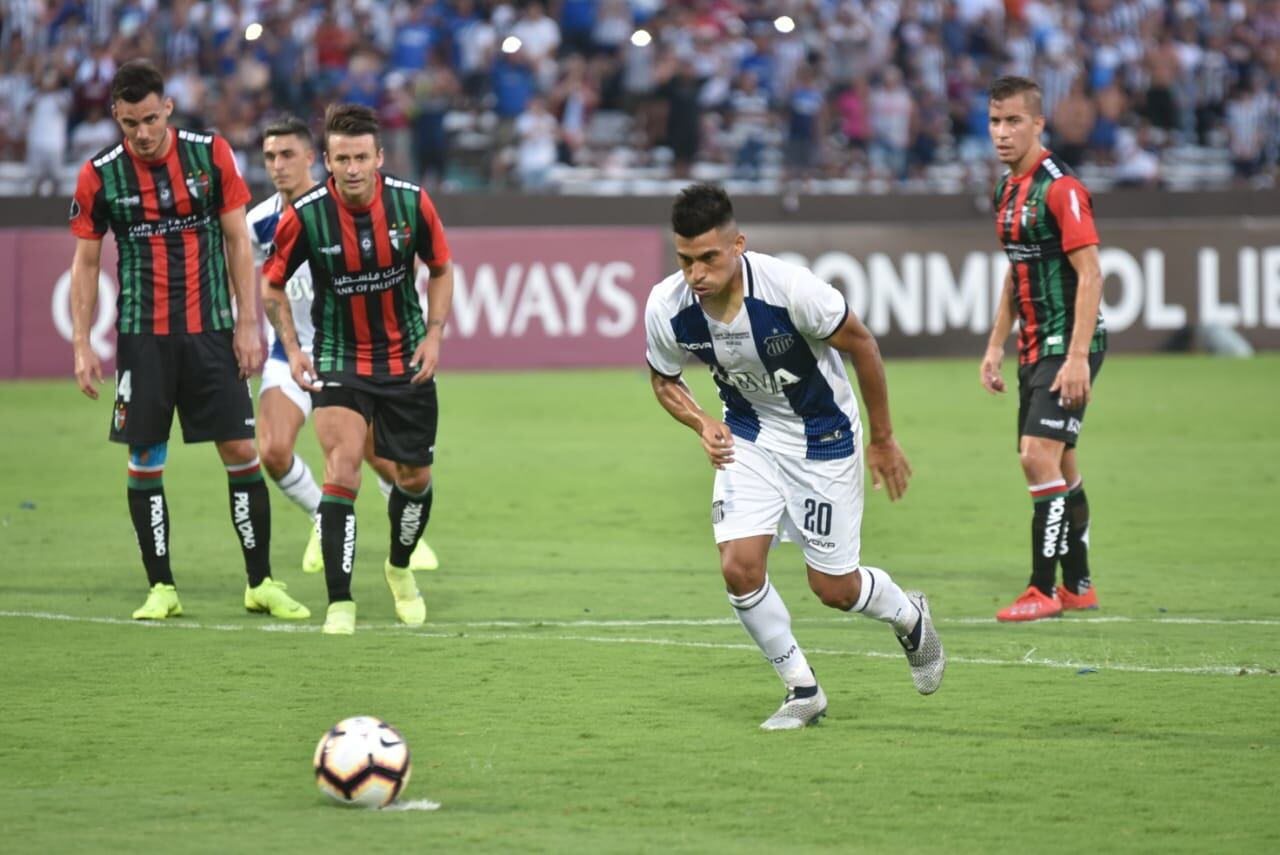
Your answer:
<point x="394" y="629"/>
<point x="416" y="804"/>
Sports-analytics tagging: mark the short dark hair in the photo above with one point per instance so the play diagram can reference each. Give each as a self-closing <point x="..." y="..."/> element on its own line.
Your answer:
<point x="700" y="208"/>
<point x="135" y="80"/>
<point x="1007" y="87"/>
<point x="351" y="120"/>
<point x="289" y="126"/>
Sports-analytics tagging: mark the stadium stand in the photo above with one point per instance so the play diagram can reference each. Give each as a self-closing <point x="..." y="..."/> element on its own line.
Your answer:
<point x="637" y="96"/>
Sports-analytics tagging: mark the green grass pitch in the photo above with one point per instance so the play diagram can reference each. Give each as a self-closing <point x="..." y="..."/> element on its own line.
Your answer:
<point x="581" y="684"/>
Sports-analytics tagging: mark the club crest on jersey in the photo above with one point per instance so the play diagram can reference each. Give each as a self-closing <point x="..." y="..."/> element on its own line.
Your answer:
<point x="1030" y="214"/>
<point x="398" y="233"/>
<point x="198" y="184"/>
<point x="75" y="210"/>
<point x="776" y="345"/>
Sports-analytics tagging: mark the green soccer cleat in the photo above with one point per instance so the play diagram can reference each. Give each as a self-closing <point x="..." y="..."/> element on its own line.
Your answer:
<point x="423" y="557"/>
<point x="161" y="603"/>
<point x="340" y="619"/>
<point x="411" y="609"/>
<point x="313" y="556"/>
<point x="270" y="597"/>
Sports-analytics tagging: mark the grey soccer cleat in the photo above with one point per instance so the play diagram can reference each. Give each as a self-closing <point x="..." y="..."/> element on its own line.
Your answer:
<point x="924" y="649"/>
<point x="803" y="706"/>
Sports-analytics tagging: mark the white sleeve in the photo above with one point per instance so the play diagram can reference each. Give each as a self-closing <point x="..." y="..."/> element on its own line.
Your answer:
<point x="817" y="308"/>
<point x="661" y="350"/>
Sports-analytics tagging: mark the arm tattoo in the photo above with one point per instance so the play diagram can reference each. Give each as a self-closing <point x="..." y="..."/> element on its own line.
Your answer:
<point x="281" y="317"/>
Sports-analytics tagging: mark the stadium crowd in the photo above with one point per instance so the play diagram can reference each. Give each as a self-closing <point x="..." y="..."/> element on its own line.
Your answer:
<point x="620" y="95"/>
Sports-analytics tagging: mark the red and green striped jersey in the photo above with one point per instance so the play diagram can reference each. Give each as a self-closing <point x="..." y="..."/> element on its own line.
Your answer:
<point x="366" y="312"/>
<point x="165" y="215"/>
<point x="1042" y="216"/>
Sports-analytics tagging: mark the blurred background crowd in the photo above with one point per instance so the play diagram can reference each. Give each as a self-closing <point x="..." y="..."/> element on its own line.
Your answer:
<point x="627" y="96"/>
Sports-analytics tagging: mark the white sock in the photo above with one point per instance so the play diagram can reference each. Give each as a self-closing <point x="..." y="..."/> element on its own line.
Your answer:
<point x="300" y="487"/>
<point x="882" y="599"/>
<point x="765" y="618"/>
<point x="386" y="487"/>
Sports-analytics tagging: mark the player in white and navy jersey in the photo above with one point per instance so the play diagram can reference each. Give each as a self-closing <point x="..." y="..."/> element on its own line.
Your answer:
<point x="283" y="406"/>
<point x="788" y="452"/>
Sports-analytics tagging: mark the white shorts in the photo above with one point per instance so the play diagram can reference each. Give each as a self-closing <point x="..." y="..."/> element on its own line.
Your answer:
<point x="276" y="375"/>
<point x="817" y="502"/>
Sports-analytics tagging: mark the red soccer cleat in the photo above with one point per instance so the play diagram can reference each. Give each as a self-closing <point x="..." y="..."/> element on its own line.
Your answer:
<point x="1077" y="602"/>
<point x="1031" y="605"/>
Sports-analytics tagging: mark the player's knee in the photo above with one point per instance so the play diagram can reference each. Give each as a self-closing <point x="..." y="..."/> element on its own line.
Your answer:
<point x="1036" y="461"/>
<point x="413" y="480"/>
<point x="836" y="592"/>
<point x="741" y="576"/>
<point x="237" y="451"/>
<point x="276" y="456"/>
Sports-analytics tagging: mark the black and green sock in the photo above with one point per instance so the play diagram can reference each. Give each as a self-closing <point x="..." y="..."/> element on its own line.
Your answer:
<point x="251" y="516"/>
<point x="1049" y="516"/>
<point x="1075" y="558"/>
<point x="409" y="513"/>
<point x="150" y="514"/>
<point x="338" y="539"/>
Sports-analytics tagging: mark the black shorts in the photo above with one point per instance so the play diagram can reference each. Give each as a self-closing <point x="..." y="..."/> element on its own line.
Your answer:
<point x="1040" y="413"/>
<point x="404" y="416"/>
<point x="196" y="373"/>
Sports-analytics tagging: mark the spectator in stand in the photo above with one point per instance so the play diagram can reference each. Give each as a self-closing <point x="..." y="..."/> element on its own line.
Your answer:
<point x="891" y="117"/>
<point x="434" y="89"/>
<point x="92" y="134"/>
<point x="749" y="125"/>
<point x="805" y="125"/>
<point x="536" y="133"/>
<point x="47" y="133"/>
<point x="851" y="104"/>
<point x="684" y="117"/>
<point x="572" y="102"/>
<point x="1073" y="122"/>
<point x="1250" y="115"/>
<point x="539" y="37"/>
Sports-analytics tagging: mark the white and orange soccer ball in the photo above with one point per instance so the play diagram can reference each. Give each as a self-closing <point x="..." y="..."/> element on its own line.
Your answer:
<point x="362" y="761"/>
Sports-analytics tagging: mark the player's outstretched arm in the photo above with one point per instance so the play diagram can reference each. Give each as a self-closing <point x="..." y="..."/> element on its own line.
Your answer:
<point x="239" y="248"/>
<point x="989" y="373"/>
<point x="677" y="399"/>
<point x="85" y="268"/>
<point x="1072" y="382"/>
<point x="885" y="459"/>
<point x="439" y="300"/>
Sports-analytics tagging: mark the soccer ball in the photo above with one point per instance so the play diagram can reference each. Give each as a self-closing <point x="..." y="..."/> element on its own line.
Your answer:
<point x="362" y="761"/>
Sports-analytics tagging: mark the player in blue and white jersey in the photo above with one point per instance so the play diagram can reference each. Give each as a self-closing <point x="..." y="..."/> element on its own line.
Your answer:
<point x="283" y="406"/>
<point x="788" y="452"/>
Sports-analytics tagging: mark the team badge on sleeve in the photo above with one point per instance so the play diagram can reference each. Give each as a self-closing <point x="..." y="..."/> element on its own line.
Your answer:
<point x="75" y="209"/>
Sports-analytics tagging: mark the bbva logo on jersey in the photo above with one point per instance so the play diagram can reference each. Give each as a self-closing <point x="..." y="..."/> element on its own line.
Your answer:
<point x="776" y="345"/>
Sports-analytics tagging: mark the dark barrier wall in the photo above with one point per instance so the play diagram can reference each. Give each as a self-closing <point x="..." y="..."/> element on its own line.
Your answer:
<point x="574" y="295"/>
